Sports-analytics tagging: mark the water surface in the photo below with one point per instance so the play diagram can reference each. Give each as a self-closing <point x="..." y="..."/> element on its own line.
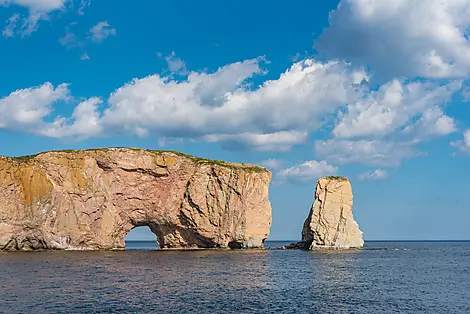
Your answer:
<point x="390" y="277"/>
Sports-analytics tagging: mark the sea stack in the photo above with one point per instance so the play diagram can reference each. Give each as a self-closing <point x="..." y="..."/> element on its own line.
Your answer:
<point x="90" y="200"/>
<point x="330" y="224"/>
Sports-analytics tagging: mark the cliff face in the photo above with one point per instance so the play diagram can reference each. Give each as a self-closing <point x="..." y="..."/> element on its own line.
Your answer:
<point x="330" y="223"/>
<point x="92" y="199"/>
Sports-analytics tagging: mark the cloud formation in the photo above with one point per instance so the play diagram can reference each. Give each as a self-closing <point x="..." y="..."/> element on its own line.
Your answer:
<point x="37" y="10"/>
<point x="366" y="152"/>
<point x="463" y="145"/>
<point x="221" y="107"/>
<point x="101" y="31"/>
<point x="26" y="109"/>
<point x="378" y="127"/>
<point x="272" y="164"/>
<point x="401" y="38"/>
<point x="308" y="171"/>
<point x="377" y="174"/>
<point x="395" y="106"/>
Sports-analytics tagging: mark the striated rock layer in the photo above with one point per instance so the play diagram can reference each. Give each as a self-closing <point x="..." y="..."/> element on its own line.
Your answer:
<point x="82" y="200"/>
<point x="330" y="223"/>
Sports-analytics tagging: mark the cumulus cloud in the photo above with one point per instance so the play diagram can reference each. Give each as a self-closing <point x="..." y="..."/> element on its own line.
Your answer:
<point x="84" y="122"/>
<point x="401" y="38"/>
<point x="463" y="145"/>
<point x="101" y="31"/>
<point x="308" y="171"/>
<point x="396" y="105"/>
<point x="26" y="109"/>
<point x="433" y="122"/>
<point x="222" y="107"/>
<point x="38" y="9"/>
<point x="70" y="40"/>
<point x="175" y="64"/>
<point x="367" y="152"/>
<point x="280" y="141"/>
<point x="220" y="103"/>
<point x="378" y="128"/>
<point x="377" y="174"/>
<point x="44" y="6"/>
<point x="29" y="110"/>
<point x="272" y="164"/>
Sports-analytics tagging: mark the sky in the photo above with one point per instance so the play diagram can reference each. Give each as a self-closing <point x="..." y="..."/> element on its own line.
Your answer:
<point x="377" y="91"/>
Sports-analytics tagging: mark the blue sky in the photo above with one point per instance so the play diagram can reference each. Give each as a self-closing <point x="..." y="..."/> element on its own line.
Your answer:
<point x="373" y="90"/>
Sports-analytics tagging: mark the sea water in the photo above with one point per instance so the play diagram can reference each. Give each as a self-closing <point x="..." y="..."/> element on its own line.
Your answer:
<point x="385" y="277"/>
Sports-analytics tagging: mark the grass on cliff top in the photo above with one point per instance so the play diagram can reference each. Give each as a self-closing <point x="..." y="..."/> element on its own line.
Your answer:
<point x="194" y="159"/>
<point x="336" y="178"/>
<point x="200" y="160"/>
<point x="23" y="158"/>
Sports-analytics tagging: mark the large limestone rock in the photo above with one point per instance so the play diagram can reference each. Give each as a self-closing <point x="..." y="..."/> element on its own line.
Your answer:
<point x="331" y="224"/>
<point x="91" y="199"/>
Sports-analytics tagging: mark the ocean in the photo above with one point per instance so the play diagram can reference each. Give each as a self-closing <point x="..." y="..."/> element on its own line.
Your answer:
<point x="385" y="277"/>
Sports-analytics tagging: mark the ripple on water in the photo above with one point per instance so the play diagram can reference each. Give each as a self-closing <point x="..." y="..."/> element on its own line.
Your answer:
<point x="383" y="278"/>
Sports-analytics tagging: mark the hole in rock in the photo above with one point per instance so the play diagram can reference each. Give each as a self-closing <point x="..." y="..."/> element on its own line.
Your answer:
<point x="141" y="238"/>
<point x="235" y="245"/>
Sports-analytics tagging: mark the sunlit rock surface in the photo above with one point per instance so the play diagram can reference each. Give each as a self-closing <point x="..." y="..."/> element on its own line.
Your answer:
<point x="82" y="200"/>
<point x="330" y="224"/>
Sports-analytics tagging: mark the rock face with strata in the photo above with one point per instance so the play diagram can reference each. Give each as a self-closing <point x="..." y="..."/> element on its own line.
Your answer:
<point x="330" y="224"/>
<point x="87" y="200"/>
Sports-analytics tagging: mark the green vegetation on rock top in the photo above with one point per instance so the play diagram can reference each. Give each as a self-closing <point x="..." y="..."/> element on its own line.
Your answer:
<point x="23" y="158"/>
<point x="194" y="159"/>
<point x="221" y="163"/>
<point x="336" y="178"/>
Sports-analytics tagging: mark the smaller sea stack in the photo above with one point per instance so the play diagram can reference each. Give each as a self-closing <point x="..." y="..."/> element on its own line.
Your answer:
<point x="330" y="224"/>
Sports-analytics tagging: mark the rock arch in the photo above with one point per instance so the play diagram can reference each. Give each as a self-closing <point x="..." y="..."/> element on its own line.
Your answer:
<point x="92" y="199"/>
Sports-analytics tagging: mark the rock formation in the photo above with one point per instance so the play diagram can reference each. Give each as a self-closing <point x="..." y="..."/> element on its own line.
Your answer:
<point x="331" y="224"/>
<point x="86" y="200"/>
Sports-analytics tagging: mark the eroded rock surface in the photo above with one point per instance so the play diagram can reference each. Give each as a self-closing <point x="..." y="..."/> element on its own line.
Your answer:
<point x="83" y="200"/>
<point x="331" y="224"/>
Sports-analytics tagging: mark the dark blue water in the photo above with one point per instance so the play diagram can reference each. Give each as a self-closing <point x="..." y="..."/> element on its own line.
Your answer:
<point x="384" y="278"/>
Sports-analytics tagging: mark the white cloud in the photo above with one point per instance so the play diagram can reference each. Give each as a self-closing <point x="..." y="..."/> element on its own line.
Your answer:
<point x="84" y="122"/>
<point x="40" y="6"/>
<point x="395" y="106"/>
<point x="401" y="38"/>
<point x="38" y="10"/>
<point x="308" y="171"/>
<point x="11" y="23"/>
<point x="463" y="145"/>
<point x="378" y="174"/>
<point x="101" y="31"/>
<point x="280" y="141"/>
<point x="222" y="107"/>
<point x="70" y="40"/>
<point x="384" y="126"/>
<point x="83" y="5"/>
<point x="272" y="164"/>
<point x="432" y="123"/>
<point x="466" y="94"/>
<point x="175" y="64"/>
<point x="25" y="110"/>
<point x="367" y="152"/>
<point x="220" y="103"/>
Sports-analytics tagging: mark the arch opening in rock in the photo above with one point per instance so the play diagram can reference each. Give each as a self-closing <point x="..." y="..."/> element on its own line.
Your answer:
<point x="141" y="238"/>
